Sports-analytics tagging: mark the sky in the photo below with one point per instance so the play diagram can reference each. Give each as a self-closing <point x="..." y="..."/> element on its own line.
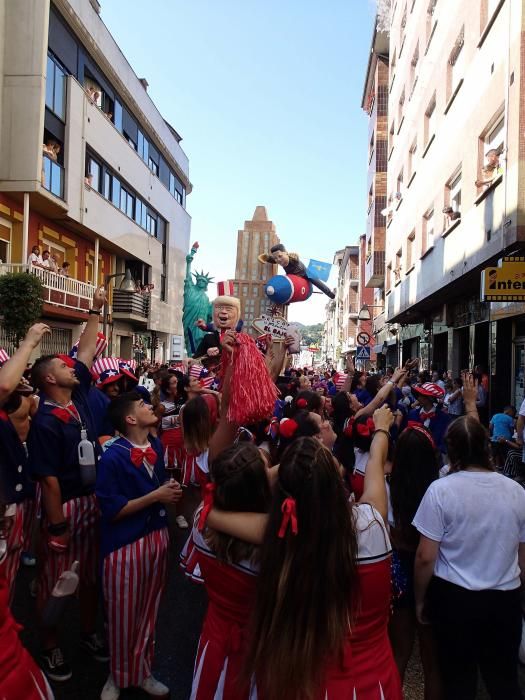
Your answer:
<point x="267" y="97"/>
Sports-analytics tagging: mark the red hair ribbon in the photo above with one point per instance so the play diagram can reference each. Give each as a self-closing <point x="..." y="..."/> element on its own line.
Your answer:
<point x="302" y="403"/>
<point x="414" y="425"/>
<point x="209" y="493"/>
<point x="348" y="427"/>
<point x="365" y="429"/>
<point x="289" y="511"/>
<point x="287" y="428"/>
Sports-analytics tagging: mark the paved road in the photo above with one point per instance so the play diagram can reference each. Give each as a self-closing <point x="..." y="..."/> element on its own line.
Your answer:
<point x="180" y="617"/>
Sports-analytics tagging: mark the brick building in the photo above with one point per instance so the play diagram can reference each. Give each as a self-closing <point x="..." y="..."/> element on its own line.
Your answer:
<point x="257" y="237"/>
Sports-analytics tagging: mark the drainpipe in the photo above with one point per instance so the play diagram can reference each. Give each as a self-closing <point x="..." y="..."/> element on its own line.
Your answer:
<point x="25" y="228"/>
<point x="95" y="262"/>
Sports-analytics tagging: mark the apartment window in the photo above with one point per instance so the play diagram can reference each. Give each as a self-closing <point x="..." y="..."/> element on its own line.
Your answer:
<point x="393" y="68"/>
<point x="56" y="87"/>
<point x="117" y="116"/>
<point x="413" y="70"/>
<point x="153" y="166"/>
<point x="397" y="270"/>
<point x="410" y="250"/>
<point x="402" y="30"/>
<point x="456" y="64"/>
<point x="430" y="119"/>
<point x="176" y="188"/>
<point x="245" y="290"/>
<point x="107" y="185"/>
<point x="93" y="173"/>
<point x="391" y="136"/>
<point x="151" y="224"/>
<point x="488" y="8"/>
<point x="371" y="147"/>
<point x="115" y="192"/>
<point x="127" y="200"/>
<point x="431" y="21"/>
<point x="399" y="185"/>
<point x="163" y="288"/>
<point x="452" y="208"/>
<point x="428" y="229"/>
<point x="370" y="196"/>
<point x="492" y="145"/>
<point x="400" y="107"/>
<point x="412" y="159"/>
<point x="138" y="211"/>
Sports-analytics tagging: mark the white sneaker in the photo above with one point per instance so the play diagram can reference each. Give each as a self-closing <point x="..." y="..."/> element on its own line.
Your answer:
<point x="182" y="522"/>
<point x="110" y="691"/>
<point x="154" y="687"/>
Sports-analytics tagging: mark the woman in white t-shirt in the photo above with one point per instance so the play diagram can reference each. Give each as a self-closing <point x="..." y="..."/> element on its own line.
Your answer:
<point x="467" y="570"/>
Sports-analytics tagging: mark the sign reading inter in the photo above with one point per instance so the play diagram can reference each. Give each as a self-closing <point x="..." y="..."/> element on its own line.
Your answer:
<point x="505" y="282"/>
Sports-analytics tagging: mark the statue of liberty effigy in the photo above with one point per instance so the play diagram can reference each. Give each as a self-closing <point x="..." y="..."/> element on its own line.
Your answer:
<point x="196" y="303"/>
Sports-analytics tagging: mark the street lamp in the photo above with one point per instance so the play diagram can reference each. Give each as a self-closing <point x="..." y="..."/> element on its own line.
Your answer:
<point x="127" y="285"/>
<point x="364" y="313"/>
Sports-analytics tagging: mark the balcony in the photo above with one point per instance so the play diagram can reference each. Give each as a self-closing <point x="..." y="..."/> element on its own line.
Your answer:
<point x="375" y="269"/>
<point x="52" y="176"/>
<point x="353" y="310"/>
<point x="353" y="274"/>
<point x="59" y="291"/>
<point x="132" y="307"/>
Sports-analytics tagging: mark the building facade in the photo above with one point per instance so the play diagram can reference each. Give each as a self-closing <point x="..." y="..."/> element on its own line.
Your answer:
<point x="90" y="171"/>
<point x="347" y="299"/>
<point x="455" y="184"/>
<point x="257" y="237"/>
<point x="375" y="103"/>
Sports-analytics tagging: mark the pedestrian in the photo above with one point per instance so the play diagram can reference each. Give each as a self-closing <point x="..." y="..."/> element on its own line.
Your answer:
<point x="466" y="585"/>
<point x="64" y="269"/>
<point x="70" y="520"/>
<point x="229" y="568"/>
<point x="415" y="466"/>
<point x="16" y="489"/>
<point x="35" y="259"/>
<point x="501" y="431"/>
<point x="429" y="413"/>
<point x="453" y="401"/>
<point x="133" y="493"/>
<point x="321" y="636"/>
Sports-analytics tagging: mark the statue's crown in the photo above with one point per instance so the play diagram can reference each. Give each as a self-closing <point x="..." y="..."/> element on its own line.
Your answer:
<point x="201" y="276"/>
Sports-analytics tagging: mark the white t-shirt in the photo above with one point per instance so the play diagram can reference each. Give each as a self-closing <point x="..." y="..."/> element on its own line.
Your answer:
<point x="34" y="259"/>
<point x="479" y="520"/>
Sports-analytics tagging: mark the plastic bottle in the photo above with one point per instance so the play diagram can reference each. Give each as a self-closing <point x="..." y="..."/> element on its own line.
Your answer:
<point x="86" y="460"/>
<point x="63" y="590"/>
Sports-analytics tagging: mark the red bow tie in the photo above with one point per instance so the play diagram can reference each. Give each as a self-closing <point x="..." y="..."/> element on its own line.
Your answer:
<point x="138" y="455"/>
<point x="426" y="415"/>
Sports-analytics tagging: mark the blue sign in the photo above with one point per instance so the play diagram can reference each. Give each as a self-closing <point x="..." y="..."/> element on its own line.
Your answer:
<point x="363" y="353"/>
<point x="319" y="270"/>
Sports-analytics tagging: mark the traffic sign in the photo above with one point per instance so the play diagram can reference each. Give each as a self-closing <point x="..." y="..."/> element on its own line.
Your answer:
<point x="363" y="338"/>
<point x="362" y="353"/>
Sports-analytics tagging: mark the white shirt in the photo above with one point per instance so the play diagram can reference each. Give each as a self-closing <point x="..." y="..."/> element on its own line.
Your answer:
<point x="479" y="520"/>
<point x="34" y="259"/>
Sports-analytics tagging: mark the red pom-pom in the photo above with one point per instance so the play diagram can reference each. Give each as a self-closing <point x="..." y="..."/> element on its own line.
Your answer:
<point x="302" y="403"/>
<point x="288" y="428"/>
<point x="253" y="393"/>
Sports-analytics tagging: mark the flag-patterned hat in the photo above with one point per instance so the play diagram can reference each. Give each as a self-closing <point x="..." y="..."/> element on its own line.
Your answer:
<point x="103" y="364"/>
<point x="108" y="376"/>
<point x="101" y="345"/>
<point x="430" y="389"/>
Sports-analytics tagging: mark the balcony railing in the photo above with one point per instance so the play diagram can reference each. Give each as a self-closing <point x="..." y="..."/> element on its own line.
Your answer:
<point x="131" y="306"/>
<point x="52" y="176"/>
<point x="58" y="289"/>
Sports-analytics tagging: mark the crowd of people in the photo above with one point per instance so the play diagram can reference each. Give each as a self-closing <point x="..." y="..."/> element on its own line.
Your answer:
<point x="48" y="261"/>
<point x="361" y="512"/>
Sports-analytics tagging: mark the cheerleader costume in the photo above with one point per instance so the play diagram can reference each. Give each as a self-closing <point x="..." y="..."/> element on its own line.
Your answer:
<point x="20" y="677"/>
<point x="367" y="670"/>
<point x="357" y="480"/>
<point x="231" y="597"/>
<point x="175" y="455"/>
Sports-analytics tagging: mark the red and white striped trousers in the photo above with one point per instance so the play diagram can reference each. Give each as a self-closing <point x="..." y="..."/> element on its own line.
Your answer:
<point x="15" y="539"/>
<point x="133" y="580"/>
<point x="83" y="516"/>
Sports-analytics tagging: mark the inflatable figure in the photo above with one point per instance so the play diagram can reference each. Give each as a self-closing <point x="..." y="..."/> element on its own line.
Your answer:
<point x="293" y="267"/>
<point x="226" y="313"/>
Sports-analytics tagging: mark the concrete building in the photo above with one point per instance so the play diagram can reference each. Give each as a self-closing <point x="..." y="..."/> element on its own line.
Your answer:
<point x="90" y="171"/>
<point x="456" y="183"/>
<point x="257" y="236"/>
<point x="330" y="347"/>
<point x="347" y="298"/>
<point x="375" y="103"/>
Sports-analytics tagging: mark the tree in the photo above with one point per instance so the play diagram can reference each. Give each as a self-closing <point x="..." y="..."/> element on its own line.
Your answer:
<point x="20" y="303"/>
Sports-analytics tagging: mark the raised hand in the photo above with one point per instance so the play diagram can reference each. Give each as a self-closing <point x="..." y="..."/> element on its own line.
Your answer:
<point x="99" y="298"/>
<point x="383" y="418"/>
<point x="35" y="333"/>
